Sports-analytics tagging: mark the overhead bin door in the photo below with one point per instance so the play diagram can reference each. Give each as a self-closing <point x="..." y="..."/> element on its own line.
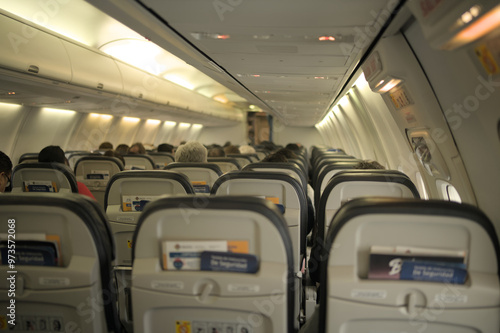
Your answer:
<point x="30" y="50"/>
<point x="93" y="69"/>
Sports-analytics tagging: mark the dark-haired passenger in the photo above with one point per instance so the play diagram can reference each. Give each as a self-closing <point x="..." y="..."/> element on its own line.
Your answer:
<point x="54" y="154"/>
<point x="5" y="172"/>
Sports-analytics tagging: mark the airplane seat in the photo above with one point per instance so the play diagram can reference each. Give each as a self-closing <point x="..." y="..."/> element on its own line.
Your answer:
<point x="28" y="158"/>
<point x="284" y="191"/>
<point x="95" y="172"/>
<point x="138" y="162"/>
<point x="329" y="170"/>
<point x="289" y="168"/>
<point x="43" y="177"/>
<point x="161" y="159"/>
<point x="261" y="154"/>
<point x="201" y="175"/>
<point x="127" y="193"/>
<point x="347" y="185"/>
<point x="74" y="156"/>
<point x="225" y="164"/>
<point x="242" y="159"/>
<point x="62" y="266"/>
<point x="244" y="251"/>
<point x="437" y="271"/>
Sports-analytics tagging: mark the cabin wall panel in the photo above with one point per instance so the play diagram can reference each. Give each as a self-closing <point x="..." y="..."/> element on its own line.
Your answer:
<point x="470" y="101"/>
<point x="147" y="133"/>
<point x="361" y="133"/>
<point x="11" y="119"/>
<point x="44" y="127"/>
<point x="166" y="133"/>
<point x="92" y="130"/>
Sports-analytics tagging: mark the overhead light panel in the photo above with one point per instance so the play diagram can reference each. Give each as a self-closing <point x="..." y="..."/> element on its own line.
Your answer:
<point x="59" y="111"/>
<point x="131" y="119"/>
<point x="221" y="99"/>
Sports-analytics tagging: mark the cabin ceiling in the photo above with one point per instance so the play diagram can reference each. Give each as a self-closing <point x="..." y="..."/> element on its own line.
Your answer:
<point x="273" y="48"/>
<point x="261" y="52"/>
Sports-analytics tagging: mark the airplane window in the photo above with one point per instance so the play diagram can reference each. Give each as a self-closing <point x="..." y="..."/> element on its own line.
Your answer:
<point x="448" y="191"/>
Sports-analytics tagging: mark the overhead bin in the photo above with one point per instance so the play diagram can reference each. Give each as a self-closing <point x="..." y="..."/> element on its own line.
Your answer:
<point x="29" y="50"/>
<point x="137" y="83"/>
<point x="93" y="69"/>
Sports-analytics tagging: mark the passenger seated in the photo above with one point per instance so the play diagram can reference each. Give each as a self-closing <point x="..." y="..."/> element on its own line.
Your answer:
<point x="246" y="149"/>
<point x="137" y="148"/>
<point x="106" y="146"/>
<point x="165" y="148"/>
<point x="231" y="149"/>
<point x="52" y="154"/>
<point x="5" y="172"/>
<point x="114" y="153"/>
<point x="368" y="164"/>
<point x="192" y="151"/>
<point x="216" y="152"/>
<point x="122" y="149"/>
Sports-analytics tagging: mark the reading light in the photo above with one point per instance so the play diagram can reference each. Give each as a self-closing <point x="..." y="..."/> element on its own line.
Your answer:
<point x="484" y="25"/>
<point x="170" y="123"/>
<point x="385" y="85"/>
<point x="184" y="125"/>
<point x="197" y="126"/>
<point x="106" y="116"/>
<point x="94" y="115"/>
<point x="326" y="38"/>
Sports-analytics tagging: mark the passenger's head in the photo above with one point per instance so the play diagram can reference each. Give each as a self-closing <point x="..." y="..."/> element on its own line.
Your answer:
<point x="165" y="148"/>
<point x="366" y="164"/>
<point x="191" y="151"/>
<point x="286" y="152"/>
<point x="137" y="148"/>
<point x="216" y="152"/>
<point x="122" y="149"/>
<point x="246" y="149"/>
<point x="52" y="154"/>
<point x="276" y="157"/>
<point x="5" y="171"/>
<point x="231" y="150"/>
<point x="293" y="147"/>
<point x="114" y="153"/>
<point x="106" y="146"/>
